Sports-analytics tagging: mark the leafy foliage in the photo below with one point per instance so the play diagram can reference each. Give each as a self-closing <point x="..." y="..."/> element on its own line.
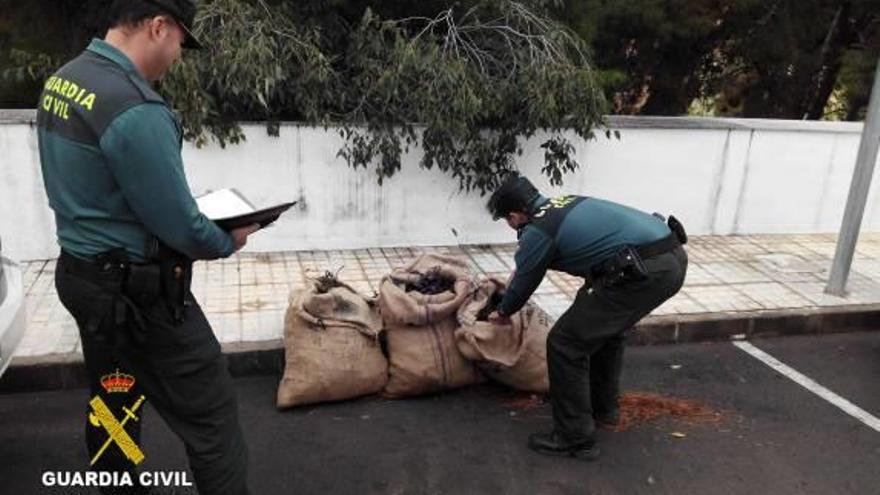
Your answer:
<point x="750" y="58"/>
<point x="258" y="65"/>
<point x="27" y="66"/>
<point x="29" y="55"/>
<point x="466" y="85"/>
<point x="477" y="83"/>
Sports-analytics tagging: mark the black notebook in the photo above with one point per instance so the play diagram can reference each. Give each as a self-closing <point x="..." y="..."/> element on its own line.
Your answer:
<point x="229" y="209"/>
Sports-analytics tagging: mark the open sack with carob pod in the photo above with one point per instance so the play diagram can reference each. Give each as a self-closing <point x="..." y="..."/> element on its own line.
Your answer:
<point x="331" y="345"/>
<point x="514" y="354"/>
<point x="418" y="304"/>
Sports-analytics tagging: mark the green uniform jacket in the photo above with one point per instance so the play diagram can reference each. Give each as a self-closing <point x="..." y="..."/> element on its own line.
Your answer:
<point x="110" y="156"/>
<point x="584" y="232"/>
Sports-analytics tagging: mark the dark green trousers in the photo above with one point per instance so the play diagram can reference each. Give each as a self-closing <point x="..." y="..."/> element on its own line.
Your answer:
<point x="585" y="346"/>
<point x="178" y="368"/>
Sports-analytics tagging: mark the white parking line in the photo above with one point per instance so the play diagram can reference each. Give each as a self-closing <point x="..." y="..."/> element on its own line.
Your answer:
<point x="809" y="384"/>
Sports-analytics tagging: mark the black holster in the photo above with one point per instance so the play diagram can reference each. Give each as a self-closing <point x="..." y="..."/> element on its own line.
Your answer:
<point x="108" y="271"/>
<point x="143" y="284"/>
<point x="678" y="229"/>
<point x="176" y="279"/>
<point x="175" y="276"/>
<point x="625" y="266"/>
<point x="675" y="226"/>
<point x="168" y="275"/>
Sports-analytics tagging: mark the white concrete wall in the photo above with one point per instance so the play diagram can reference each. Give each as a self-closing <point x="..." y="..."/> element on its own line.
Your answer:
<point x="719" y="176"/>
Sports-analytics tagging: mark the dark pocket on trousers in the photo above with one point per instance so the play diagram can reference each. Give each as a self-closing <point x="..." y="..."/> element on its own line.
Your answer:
<point x="178" y="347"/>
<point x="89" y="304"/>
<point x="144" y="285"/>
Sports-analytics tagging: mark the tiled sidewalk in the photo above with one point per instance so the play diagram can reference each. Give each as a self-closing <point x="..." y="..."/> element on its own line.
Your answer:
<point x="246" y="295"/>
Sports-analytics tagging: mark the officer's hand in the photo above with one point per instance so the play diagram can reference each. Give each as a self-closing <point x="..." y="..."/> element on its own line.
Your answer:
<point x="496" y="318"/>
<point x="241" y="234"/>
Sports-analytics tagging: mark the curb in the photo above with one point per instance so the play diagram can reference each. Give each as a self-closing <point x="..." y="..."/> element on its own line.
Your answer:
<point x="67" y="371"/>
<point x="714" y="327"/>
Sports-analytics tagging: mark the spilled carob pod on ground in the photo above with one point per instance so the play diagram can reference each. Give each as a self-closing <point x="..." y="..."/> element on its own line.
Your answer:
<point x="637" y="408"/>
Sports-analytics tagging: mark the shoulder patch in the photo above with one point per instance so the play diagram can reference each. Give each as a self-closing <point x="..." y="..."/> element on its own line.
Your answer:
<point x="81" y="99"/>
<point x="549" y="217"/>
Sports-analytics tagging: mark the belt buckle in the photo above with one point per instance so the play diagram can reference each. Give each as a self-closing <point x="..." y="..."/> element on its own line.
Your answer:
<point x="112" y="259"/>
<point x="109" y="265"/>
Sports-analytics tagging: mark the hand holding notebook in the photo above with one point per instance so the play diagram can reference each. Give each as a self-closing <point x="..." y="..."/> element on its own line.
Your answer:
<point x="229" y="209"/>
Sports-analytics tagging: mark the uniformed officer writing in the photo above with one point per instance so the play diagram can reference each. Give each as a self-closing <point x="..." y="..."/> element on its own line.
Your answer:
<point x="632" y="262"/>
<point x="129" y="230"/>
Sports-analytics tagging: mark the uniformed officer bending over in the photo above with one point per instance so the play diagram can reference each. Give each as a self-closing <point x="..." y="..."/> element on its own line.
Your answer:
<point x="632" y="262"/>
<point x="129" y="229"/>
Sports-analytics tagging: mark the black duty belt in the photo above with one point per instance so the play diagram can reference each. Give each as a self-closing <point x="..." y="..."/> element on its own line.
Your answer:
<point x="109" y="271"/>
<point x="140" y="283"/>
<point x="626" y="265"/>
<point x="94" y="271"/>
<point x="658" y="247"/>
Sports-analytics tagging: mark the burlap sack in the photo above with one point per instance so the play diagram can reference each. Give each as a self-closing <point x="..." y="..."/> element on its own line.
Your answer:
<point x="401" y="307"/>
<point x="331" y="347"/>
<point x="514" y="354"/>
<point x="420" y="329"/>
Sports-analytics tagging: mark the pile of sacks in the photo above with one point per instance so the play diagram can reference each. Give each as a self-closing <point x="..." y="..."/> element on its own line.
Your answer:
<point x="427" y="331"/>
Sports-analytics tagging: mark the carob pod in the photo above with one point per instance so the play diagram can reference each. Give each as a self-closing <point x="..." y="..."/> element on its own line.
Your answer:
<point x="432" y="282"/>
<point x="494" y="301"/>
<point x="327" y="281"/>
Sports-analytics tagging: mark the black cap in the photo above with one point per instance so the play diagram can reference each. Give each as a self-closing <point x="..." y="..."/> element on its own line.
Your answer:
<point x="184" y="12"/>
<point x="514" y="194"/>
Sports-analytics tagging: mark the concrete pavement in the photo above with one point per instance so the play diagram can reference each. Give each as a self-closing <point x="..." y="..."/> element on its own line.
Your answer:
<point x="774" y="436"/>
<point x="736" y="285"/>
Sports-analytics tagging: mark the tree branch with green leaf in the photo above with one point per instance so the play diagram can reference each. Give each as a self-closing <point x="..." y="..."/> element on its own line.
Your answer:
<point x="467" y="85"/>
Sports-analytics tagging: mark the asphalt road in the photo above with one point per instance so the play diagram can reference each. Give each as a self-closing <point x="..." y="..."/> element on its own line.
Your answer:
<point x="775" y="437"/>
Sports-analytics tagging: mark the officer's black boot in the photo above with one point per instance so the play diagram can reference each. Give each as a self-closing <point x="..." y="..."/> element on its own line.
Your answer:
<point x="573" y="435"/>
<point x="553" y="444"/>
<point x="607" y="420"/>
